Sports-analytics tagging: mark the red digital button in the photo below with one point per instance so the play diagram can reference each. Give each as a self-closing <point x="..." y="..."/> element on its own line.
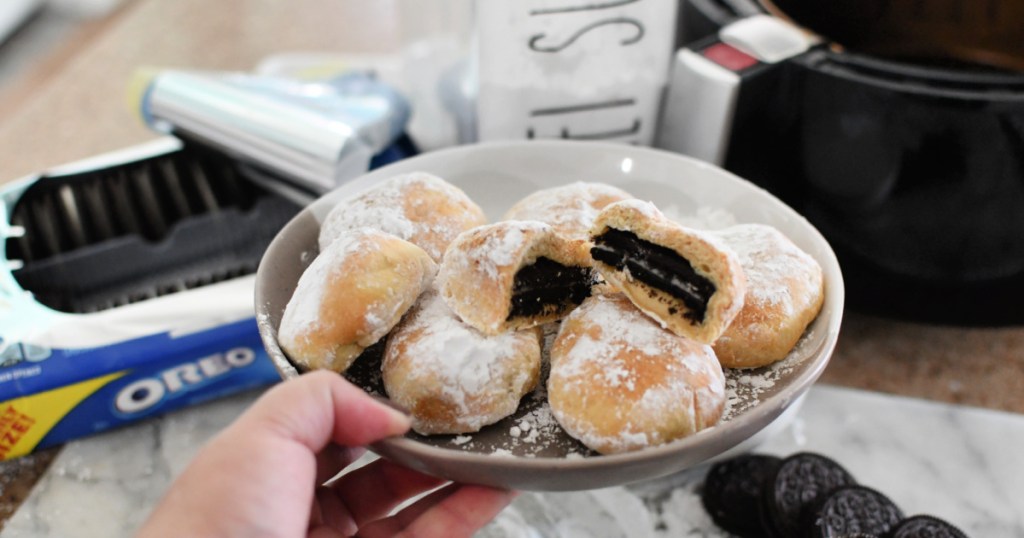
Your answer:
<point x="729" y="57"/>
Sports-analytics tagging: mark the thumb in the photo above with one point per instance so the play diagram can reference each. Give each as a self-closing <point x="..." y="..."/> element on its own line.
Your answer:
<point x="317" y="408"/>
<point x="269" y="454"/>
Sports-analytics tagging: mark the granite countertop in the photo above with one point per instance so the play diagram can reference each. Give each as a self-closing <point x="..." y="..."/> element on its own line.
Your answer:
<point x="76" y="108"/>
<point x="954" y="462"/>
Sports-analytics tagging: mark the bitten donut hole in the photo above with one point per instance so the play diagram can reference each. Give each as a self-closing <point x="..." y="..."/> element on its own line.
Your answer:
<point x="656" y="266"/>
<point x="546" y="287"/>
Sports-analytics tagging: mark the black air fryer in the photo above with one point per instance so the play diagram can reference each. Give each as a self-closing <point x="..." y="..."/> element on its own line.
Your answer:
<point x="903" y="143"/>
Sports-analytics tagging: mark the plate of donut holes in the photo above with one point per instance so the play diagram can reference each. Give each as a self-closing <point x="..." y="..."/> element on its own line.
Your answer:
<point x="556" y="315"/>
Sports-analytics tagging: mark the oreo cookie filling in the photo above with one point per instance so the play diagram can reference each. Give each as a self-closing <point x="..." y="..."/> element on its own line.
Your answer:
<point x="547" y="286"/>
<point x="657" y="266"/>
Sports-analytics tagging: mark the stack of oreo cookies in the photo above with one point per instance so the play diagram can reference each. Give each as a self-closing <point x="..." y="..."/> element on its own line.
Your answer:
<point x="806" y="495"/>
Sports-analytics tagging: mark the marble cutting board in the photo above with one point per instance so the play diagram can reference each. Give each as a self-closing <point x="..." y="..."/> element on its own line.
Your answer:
<point x="962" y="464"/>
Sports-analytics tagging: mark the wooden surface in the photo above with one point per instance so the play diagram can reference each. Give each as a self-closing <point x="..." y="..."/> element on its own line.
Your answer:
<point x="74" y="106"/>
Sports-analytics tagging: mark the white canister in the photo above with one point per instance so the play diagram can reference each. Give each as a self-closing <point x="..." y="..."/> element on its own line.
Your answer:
<point x="575" y="69"/>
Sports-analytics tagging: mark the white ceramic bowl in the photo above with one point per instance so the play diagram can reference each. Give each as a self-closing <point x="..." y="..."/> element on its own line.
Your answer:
<point x="496" y="175"/>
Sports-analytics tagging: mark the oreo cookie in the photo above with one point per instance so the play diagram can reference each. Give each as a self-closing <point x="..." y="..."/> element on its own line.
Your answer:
<point x="852" y="511"/>
<point x="732" y="491"/>
<point x="925" y="527"/>
<point x="798" y="485"/>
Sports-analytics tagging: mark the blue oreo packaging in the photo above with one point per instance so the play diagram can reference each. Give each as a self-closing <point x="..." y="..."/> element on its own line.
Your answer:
<point x="126" y="291"/>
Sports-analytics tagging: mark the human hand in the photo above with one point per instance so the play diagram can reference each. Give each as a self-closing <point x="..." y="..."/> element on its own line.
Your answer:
<point x="263" y="475"/>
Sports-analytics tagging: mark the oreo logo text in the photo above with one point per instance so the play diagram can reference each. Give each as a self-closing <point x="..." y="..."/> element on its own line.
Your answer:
<point x="147" y="392"/>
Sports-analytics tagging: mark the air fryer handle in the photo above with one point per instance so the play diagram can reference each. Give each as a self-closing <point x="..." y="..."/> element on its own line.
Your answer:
<point x="707" y="79"/>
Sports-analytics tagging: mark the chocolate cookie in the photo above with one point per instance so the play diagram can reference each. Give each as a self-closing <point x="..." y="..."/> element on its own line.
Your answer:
<point x="732" y="491"/>
<point x="800" y="482"/>
<point x="850" y="511"/>
<point x="925" y="527"/>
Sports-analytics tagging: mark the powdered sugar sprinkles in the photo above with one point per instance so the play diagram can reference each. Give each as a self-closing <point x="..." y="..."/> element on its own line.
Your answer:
<point x="527" y="450"/>
<point x="533" y="432"/>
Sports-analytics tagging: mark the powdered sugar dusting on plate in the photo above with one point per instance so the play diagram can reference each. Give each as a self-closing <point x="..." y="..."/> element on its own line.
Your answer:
<point x="745" y="387"/>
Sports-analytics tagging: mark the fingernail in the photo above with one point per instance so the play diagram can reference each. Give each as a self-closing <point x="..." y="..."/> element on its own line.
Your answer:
<point x="399" y="415"/>
<point x="390" y="403"/>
